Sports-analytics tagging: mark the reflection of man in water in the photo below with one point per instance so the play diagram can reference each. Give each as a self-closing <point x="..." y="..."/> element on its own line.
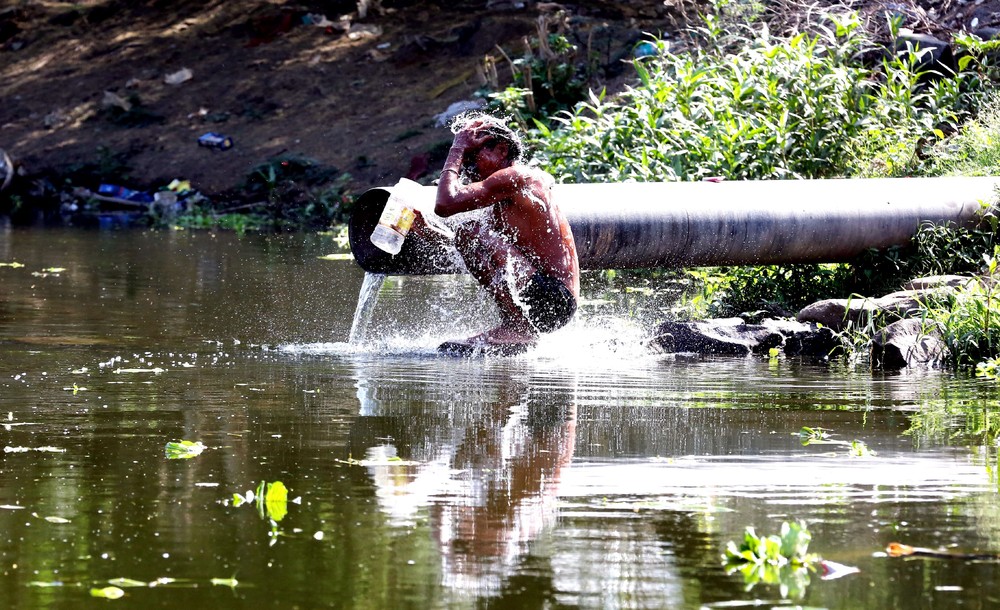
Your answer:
<point x="508" y="493"/>
<point x="487" y="472"/>
<point x="521" y="249"/>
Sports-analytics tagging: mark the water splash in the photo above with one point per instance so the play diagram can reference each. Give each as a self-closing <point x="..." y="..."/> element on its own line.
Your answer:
<point x="367" y="299"/>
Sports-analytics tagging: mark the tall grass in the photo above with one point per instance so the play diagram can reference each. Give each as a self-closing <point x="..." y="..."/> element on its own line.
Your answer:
<point x="744" y="104"/>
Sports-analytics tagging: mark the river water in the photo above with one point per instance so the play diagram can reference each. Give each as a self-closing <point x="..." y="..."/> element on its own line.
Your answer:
<point x="587" y="473"/>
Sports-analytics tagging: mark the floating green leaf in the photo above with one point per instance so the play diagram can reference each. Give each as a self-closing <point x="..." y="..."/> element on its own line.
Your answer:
<point x="820" y="436"/>
<point x="271" y="500"/>
<point x="781" y="560"/>
<point x="276" y="501"/>
<point x="183" y="450"/>
<point x="107" y="593"/>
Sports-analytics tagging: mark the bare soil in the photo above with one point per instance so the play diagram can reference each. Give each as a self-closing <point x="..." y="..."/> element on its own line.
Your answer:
<point x="359" y="95"/>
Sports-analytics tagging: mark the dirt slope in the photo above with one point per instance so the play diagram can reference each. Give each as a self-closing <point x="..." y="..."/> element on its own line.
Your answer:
<point x="358" y="94"/>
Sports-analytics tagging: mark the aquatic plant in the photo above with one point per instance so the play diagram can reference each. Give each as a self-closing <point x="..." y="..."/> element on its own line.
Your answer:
<point x="967" y="317"/>
<point x="271" y="500"/>
<point x="822" y="436"/>
<point x="782" y="560"/>
<point x="183" y="450"/>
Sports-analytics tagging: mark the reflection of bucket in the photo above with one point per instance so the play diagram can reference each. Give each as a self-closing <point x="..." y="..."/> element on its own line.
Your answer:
<point x="6" y="170"/>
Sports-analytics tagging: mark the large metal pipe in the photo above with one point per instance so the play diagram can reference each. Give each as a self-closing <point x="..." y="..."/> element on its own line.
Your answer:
<point x="683" y="224"/>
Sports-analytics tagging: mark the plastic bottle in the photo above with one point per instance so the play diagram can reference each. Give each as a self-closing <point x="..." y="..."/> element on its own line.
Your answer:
<point x="393" y="225"/>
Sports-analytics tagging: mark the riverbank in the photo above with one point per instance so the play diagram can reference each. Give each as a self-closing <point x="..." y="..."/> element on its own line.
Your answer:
<point x="319" y="101"/>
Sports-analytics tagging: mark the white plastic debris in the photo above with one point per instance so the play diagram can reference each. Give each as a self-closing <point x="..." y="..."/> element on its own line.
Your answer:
<point x="181" y="76"/>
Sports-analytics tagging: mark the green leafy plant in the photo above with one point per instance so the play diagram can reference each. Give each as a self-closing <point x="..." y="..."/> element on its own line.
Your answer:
<point x="745" y="104"/>
<point x="549" y="77"/>
<point x="183" y="450"/>
<point x="968" y="317"/>
<point x="271" y="500"/>
<point x="821" y="436"/>
<point x="782" y="560"/>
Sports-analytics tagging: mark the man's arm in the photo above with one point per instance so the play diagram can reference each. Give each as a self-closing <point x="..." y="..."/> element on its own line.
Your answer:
<point x="454" y="196"/>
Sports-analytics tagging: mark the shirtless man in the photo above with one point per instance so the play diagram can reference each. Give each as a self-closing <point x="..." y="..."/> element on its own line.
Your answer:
<point x="519" y="247"/>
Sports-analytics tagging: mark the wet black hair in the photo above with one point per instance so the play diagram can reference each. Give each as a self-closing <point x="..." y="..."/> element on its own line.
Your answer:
<point x="501" y="133"/>
<point x="496" y="129"/>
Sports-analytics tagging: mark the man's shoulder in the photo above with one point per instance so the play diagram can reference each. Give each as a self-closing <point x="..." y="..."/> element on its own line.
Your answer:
<point x="534" y="174"/>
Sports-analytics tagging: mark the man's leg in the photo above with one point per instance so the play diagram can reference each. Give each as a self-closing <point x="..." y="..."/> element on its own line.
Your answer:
<point x="503" y="271"/>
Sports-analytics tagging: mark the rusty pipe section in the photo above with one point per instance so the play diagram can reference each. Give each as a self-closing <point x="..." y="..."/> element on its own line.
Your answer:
<point x="685" y="224"/>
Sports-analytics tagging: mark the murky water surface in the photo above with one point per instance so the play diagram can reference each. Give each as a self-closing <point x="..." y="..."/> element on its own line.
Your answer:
<point x="587" y="473"/>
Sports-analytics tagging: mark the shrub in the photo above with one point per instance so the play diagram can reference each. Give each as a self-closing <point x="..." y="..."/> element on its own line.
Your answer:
<point x="744" y="104"/>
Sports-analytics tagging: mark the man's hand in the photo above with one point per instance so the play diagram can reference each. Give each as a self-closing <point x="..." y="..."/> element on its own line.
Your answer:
<point x="472" y="135"/>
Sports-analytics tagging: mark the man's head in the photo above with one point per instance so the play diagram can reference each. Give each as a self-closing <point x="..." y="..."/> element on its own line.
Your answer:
<point x="500" y="133"/>
<point x="497" y="131"/>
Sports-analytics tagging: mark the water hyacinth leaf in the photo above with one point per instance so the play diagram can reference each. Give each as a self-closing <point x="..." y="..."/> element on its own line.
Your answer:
<point x="795" y="539"/>
<point x="183" y="450"/>
<point x="276" y="501"/>
<point x="107" y="593"/>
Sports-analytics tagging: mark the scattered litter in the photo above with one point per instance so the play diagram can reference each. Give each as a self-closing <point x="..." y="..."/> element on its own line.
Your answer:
<point x="113" y="100"/>
<point x="317" y="19"/>
<point x="442" y="119"/>
<point x="6" y="170"/>
<point x="645" y="49"/>
<point x="121" y="192"/>
<point x="215" y="141"/>
<point x="359" y="31"/>
<point x="181" y="76"/>
<point x="181" y="187"/>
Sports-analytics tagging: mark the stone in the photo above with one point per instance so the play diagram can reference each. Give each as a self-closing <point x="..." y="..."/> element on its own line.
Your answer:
<point x="937" y="282"/>
<point x="908" y="343"/>
<point x="817" y="343"/>
<point x="723" y="337"/>
<point x="838" y="314"/>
